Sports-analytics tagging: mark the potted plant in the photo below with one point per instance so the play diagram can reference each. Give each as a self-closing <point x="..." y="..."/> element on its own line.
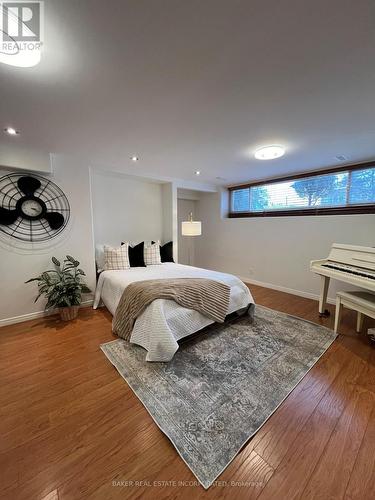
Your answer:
<point x="63" y="287"/>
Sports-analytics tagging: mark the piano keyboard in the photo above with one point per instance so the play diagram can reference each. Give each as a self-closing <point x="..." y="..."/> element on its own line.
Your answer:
<point x="352" y="264"/>
<point x="357" y="271"/>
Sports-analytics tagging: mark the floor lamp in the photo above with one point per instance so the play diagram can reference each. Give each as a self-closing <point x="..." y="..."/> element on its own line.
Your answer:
<point x="191" y="228"/>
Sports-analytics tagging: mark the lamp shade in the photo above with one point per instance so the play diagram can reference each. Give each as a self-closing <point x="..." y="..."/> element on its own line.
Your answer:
<point x="191" y="228"/>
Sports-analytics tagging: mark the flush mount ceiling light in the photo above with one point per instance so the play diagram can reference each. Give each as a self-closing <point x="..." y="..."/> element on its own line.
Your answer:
<point x="21" y="58"/>
<point x="134" y="158"/>
<point x="269" y="152"/>
<point x="11" y="131"/>
<point x="197" y="172"/>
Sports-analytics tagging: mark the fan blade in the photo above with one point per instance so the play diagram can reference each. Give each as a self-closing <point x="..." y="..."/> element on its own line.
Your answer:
<point x="8" y="217"/>
<point x="28" y="185"/>
<point x="54" y="219"/>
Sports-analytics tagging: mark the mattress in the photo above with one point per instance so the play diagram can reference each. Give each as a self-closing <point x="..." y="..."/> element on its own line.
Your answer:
<point x="164" y="322"/>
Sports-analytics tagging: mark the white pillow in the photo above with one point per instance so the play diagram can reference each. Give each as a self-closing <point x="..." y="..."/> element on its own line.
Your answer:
<point x="116" y="258"/>
<point x="99" y="257"/>
<point x="151" y="254"/>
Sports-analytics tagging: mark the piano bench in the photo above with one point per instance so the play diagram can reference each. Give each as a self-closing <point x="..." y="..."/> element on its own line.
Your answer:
<point x="362" y="302"/>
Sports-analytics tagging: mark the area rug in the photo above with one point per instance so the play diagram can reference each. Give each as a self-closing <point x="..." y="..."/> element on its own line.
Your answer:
<point x="222" y="385"/>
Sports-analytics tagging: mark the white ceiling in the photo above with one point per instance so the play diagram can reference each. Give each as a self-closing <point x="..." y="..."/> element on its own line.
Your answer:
<point x="199" y="84"/>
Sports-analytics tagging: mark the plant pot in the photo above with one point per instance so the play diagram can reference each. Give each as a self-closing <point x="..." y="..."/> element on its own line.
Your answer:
<point x="68" y="313"/>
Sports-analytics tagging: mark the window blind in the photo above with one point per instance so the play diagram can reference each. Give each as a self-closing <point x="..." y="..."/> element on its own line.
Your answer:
<point x="343" y="189"/>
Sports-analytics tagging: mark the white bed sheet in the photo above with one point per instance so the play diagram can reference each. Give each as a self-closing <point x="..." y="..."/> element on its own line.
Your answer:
<point x="164" y="322"/>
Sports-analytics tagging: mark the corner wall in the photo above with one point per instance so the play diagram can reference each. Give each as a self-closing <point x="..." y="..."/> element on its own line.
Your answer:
<point x="126" y="208"/>
<point x="18" y="265"/>
<point x="276" y="251"/>
<point x="72" y="174"/>
<point x="170" y="216"/>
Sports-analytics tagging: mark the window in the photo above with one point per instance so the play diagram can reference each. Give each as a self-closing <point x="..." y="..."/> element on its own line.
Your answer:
<point x="333" y="191"/>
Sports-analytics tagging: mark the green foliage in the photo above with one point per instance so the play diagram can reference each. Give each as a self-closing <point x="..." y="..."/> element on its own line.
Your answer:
<point x="315" y="188"/>
<point x="259" y="198"/>
<point x="62" y="286"/>
<point x="362" y="188"/>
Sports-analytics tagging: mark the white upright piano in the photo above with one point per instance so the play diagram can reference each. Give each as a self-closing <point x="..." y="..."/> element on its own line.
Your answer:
<point x="349" y="263"/>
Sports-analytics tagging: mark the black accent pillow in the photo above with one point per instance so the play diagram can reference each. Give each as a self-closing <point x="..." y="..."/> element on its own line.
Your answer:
<point x="136" y="257"/>
<point x="166" y="252"/>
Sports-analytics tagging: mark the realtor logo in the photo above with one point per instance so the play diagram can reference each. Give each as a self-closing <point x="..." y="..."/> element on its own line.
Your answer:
<point x="21" y="21"/>
<point x="21" y="32"/>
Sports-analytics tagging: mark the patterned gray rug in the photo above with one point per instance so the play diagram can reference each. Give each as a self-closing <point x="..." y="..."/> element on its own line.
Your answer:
<point x="223" y="385"/>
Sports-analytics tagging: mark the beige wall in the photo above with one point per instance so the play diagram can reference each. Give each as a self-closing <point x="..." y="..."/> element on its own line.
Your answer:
<point x="125" y="208"/>
<point x="19" y="263"/>
<point x="275" y="250"/>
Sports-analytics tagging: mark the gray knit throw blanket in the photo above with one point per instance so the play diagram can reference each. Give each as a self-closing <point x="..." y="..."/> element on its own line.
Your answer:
<point x="209" y="297"/>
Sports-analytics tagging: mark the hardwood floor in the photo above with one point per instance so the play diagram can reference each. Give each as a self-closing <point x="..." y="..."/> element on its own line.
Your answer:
<point x="71" y="428"/>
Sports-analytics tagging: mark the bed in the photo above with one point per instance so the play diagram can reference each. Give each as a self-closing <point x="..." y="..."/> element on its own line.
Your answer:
<point x="164" y="322"/>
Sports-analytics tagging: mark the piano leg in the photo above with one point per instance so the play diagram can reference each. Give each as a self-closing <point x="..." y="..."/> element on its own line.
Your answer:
<point x="324" y="285"/>
<point x="360" y="319"/>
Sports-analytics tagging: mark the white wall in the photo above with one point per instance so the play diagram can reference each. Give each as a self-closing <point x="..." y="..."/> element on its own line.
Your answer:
<point x="125" y="208"/>
<point x="275" y="250"/>
<point x="188" y="194"/>
<point x="169" y="193"/>
<point x="15" y="157"/>
<point x="19" y="264"/>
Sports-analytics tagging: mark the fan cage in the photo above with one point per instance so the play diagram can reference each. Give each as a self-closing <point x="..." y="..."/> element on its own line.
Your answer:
<point x="33" y="230"/>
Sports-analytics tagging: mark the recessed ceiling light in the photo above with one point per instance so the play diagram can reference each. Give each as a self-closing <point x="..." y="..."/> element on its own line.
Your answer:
<point x="197" y="172"/>
<point x="11" y="131"/>
<point x="134" y="158"/>
<point x="269" y="152"/>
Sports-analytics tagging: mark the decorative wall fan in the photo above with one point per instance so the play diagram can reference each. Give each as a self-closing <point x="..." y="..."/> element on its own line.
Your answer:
<point x="32" y="208"/>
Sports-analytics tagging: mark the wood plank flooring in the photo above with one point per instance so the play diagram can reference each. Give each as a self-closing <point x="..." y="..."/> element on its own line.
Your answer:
<point x="70" y="427"/>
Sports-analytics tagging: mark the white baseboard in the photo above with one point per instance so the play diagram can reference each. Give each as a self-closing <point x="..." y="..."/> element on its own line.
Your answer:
<point x="299" y="293"/>
<point x="35" y="315"/>
<point x="280" y="288"/>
